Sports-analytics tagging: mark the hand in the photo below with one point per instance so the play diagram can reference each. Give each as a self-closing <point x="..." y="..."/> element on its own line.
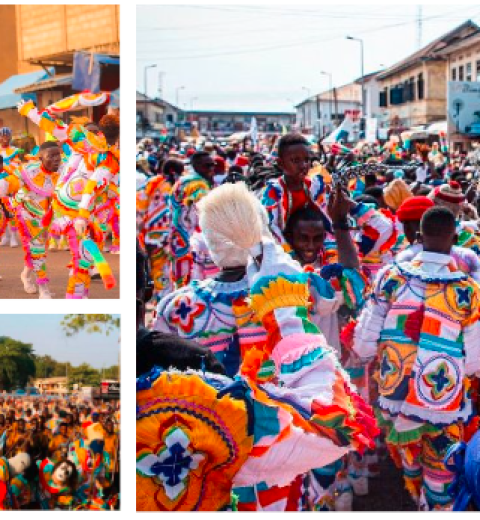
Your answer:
<point x="273" y="260"/>
<point x="339" y="205"/>
<point x="80" y="226"/>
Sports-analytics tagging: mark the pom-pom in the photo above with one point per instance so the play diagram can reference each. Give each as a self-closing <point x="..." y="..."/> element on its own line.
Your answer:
<point x="231" y="213"/>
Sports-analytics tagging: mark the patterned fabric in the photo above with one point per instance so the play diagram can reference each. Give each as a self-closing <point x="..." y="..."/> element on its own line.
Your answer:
<point x="278" y="202"/>
<point x="211" y="312"/>
<point x="186" y="192"/>
<point x="424" y="318"/>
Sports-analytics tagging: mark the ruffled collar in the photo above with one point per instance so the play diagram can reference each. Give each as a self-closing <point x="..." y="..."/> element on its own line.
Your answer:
<point x="432" y="267"/>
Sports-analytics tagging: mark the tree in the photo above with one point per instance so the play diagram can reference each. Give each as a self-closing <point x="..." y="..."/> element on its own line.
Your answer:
<point x="45" y="366"/>
<point x="84" y="375"/>
<point x="112" y="372"/>
<point x="74" y="323"/>
<point x="17" y="363"/>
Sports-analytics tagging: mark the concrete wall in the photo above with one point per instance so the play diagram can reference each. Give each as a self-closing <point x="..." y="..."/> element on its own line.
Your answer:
<point x="44" y="30"/>
<point x="8" y="55"/>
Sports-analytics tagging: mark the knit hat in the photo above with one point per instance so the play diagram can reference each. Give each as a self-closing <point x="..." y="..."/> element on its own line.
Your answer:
<point x="413" y="208"/>
<point x="395" y="193"/>
<point x="448" y="196"/>
<point x="5" y="131"/>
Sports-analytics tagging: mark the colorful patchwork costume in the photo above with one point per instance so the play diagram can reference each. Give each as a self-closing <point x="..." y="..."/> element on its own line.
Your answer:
<point x="423" y="324"/>
<point x="197" y="434"/>
<point x="33" y="187"/>
<point x="92" y="166"/>
<point x="186" y="192"/>
<point x="154" y="230"/>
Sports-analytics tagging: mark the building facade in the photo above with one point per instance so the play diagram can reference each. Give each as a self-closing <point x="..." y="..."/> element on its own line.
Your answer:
<point x="52" y="385"/>
<point x="156" y="116"/>
<point x="463" y="69"/>
<point x="224" y="123"/>
<point x="413" y="91"/>
<point x="321" y="113"/>
<point x="43" y="40"/>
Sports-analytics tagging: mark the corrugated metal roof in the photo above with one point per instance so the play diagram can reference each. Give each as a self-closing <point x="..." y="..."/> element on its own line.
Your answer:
<point x="429" y="52"/>
<point x="8" y="97"/>
<point x="46" y="83"/>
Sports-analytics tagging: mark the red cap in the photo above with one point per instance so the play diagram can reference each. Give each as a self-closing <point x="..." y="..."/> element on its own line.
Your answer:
<point x="219" y="165"/>
<point x="241" y="161"/>
<point x="414" y="208"/>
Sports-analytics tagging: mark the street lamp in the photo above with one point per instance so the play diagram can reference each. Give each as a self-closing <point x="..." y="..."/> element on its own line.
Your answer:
<point x="307" y="90"/>
<point x="191" y="102"/>
<point x="330" y="100"/>
<point x="145" y="119"/>
<point x="363" y="80"/>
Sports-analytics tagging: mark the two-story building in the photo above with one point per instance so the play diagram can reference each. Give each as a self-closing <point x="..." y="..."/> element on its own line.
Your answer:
<point x="156" y="116"/>
<point x="321" y="113"/>
<point x="463" y="85"/>
<point x="413" y="91"/>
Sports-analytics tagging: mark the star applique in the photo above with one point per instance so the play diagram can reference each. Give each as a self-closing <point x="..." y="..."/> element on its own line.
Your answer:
<point x="387" y="368"/>
<point x="440" y="381"/>
<point x="464" y="295"/>
<point x="185" y="312"/>
<point x="173" y="464"/>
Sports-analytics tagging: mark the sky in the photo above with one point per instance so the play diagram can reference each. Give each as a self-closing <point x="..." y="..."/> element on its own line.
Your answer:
<point x="269" y="57"/>
<point x="46" y="335"/>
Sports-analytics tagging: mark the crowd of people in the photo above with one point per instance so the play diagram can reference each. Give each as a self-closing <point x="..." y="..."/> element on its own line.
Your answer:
<point x="303" y="312"/>
<point x="59" y="453"/>
<point x="63" y="194"/>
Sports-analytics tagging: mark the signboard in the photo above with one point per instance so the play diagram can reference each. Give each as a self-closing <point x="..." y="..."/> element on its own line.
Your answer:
<point x="463" y="108"/>
<point x="110" y="388"/>
<point x="371" y="130"/>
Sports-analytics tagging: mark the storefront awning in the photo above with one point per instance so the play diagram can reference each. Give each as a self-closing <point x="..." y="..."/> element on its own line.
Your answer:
<point x="46" y="84"/>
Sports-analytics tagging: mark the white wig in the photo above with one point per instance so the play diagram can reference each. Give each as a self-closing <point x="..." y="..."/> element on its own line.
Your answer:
<point x="232" y="220"/>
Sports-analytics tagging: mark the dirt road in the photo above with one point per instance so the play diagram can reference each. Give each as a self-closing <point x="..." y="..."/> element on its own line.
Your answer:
<point x="11" y="265"/>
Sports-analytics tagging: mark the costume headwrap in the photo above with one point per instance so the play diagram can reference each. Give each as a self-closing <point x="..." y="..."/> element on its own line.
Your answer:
<point x="395" y="193"/>
<point x="414" y="208"/>
<point x="5" y="131"/>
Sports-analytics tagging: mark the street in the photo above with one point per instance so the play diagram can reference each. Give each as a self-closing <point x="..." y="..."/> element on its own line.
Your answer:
<point x="11" y="265"/>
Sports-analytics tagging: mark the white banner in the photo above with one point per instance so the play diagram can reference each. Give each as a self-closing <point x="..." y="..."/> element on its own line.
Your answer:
<point x="341" y="134"/>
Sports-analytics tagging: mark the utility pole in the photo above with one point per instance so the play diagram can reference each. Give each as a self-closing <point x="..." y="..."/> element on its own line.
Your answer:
<point x="419" y="27"/>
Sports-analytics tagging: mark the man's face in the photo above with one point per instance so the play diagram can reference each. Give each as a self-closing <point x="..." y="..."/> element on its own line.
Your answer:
<point x="21" y="426"/>
<point x="5" y="141"/>
<point x="51" y="158"/>
<point x="307" y="240"/>
<point x="63" y="430"/>
<point x="205" y="167"/>
<point x="295" y="162"/>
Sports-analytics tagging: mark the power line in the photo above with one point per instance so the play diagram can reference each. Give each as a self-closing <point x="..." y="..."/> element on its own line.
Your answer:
<point x="285" y="45"/>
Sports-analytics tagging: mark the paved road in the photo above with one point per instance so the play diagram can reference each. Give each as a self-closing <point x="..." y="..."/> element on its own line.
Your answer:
<point x="11" y="265"/>
<point x="386" y="493"/>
